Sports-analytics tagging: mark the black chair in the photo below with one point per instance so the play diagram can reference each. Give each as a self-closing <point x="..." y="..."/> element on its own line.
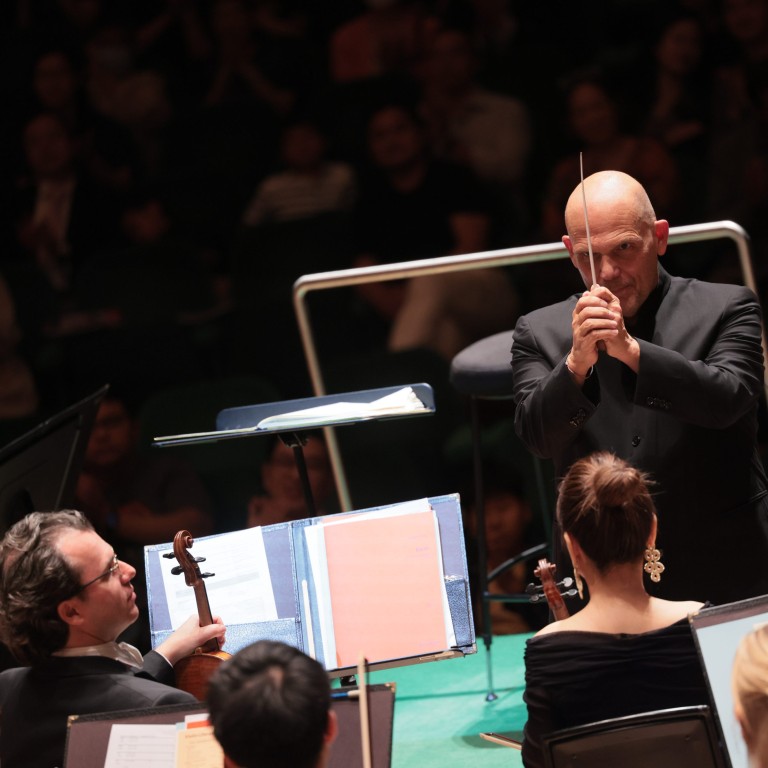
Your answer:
<point x="483" y="371"/>
<point x="683" y="737"/>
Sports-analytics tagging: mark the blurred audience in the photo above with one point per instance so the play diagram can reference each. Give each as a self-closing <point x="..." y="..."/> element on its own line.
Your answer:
<point x="508" y="532"/>
<point x="595" y="121"/>
<point x="62" y="217"/>
<point x="677" y="109"/>
<point x="467" y="124"/>
<point x="309" y="185"/>
<point x="412" y="206"/>
<point x="19" y="396"/>
<point x="389" y="37"/>
<point x="132" y="499"/>
<point x="282" y="497"/>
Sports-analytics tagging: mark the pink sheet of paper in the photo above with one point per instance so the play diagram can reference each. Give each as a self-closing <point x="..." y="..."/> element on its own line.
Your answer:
<point x="386" y="585"/>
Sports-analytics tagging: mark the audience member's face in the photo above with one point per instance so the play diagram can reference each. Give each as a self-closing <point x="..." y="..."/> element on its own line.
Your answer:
<point x="54" y="81"/>
<point x="280" y="476"/>
<point x="48" y="147"/>
<point x="746" y="20"/>
<point x="679" y="49"/>
<point x="107" y="606"/>
<point x="145" y="224"/>
<point x="394" y="139"/>
<point x="450" y="60"/>
<point x="112" y="438"/>
<point x="303" y="148"/>
<point x="592" y="114"/>
<point x="506" y="518"/>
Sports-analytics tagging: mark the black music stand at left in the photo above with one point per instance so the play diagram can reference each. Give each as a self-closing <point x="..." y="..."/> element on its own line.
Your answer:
<point x="39" y="470"/>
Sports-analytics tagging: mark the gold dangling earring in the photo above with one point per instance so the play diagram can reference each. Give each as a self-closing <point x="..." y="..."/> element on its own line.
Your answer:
<point x="653" y="564"/>
<point x="579" y="583"/>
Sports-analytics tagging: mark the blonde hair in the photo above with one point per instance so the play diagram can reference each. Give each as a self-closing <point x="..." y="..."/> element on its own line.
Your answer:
<point x="750" y="692"/>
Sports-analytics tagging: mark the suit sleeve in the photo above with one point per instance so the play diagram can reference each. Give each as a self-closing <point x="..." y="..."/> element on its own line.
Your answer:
<point x="716" y="391"/>
<point x="550" y="409"/>
<point x="157" y="668"/>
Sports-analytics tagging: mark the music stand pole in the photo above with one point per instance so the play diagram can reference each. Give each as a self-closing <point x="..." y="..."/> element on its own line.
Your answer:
<point x="296" y="442"/>
<point x="482" y="548"/>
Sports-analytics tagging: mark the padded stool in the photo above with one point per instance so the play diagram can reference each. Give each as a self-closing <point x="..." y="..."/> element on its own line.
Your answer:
<point x="483" y="371"/>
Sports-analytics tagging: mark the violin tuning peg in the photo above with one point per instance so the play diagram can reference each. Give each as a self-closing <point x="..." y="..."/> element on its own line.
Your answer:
<point x="567" y="582"/>
<point x="169" y="555"/>
<point x="199" y="559"/>
<point x="176" y="570"/>
<point x="206" y="575"/>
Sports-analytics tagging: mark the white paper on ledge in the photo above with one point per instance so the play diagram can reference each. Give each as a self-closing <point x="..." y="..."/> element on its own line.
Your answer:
<point x="403" y="401"/>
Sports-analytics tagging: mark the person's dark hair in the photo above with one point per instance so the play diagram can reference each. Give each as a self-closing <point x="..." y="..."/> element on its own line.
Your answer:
<point x="34" y="579"/>
<point x="269" y="706"/>
<point x="604" y="503"/>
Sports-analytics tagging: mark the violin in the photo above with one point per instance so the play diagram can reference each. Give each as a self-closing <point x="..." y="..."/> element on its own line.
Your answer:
<point x="193" y="672"/>
<point x="551" y="590"/>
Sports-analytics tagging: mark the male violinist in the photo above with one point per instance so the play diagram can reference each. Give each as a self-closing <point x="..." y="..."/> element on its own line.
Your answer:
<point x="65" y="598"/>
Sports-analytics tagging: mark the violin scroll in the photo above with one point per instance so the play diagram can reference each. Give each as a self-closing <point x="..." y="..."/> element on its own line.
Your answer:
<point x="551" y="590"/>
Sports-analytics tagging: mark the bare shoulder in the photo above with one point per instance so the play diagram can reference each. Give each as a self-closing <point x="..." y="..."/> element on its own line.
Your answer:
<point x="558" y="626"/>
<point x="671" y="611"/>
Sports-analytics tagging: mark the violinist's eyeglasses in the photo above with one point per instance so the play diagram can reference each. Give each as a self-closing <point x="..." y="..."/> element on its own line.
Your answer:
<point x="114" y="568"/>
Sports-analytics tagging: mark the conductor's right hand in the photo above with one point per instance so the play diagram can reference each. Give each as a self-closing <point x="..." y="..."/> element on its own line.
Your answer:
<point x="594" y="323"/>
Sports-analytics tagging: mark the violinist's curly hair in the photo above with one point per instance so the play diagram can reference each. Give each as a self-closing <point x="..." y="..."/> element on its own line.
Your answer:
<point x="605" y="504"/>
<point x="34" y="579"/>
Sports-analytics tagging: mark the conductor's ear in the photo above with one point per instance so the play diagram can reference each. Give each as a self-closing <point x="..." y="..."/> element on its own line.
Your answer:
<point x="662" y="236"/>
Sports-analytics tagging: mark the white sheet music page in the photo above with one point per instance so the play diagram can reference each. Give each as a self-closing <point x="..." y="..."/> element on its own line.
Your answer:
<point x="402" y="402"/>
<point x="240" y="590"/>
<point x="141" y="746"/>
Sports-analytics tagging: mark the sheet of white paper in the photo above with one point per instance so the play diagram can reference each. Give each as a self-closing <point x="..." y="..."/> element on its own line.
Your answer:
<point x="241" y="589"/>
<point x="403" y="401"/>
<point x="141" y="746"/>
<point x="404" y="508"/>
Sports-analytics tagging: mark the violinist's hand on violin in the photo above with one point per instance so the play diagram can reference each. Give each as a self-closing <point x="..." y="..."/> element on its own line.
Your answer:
<point x="191" y="635"/>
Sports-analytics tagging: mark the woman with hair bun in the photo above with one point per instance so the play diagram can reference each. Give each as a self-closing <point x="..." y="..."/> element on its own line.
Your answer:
<point x="750" y="693"/>
<point x="625" y="651"/>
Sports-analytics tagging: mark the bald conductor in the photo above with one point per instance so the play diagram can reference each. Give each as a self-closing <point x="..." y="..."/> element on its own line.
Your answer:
<point x="663" y="371"/>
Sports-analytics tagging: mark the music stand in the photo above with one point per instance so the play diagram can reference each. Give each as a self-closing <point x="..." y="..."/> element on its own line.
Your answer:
<point x="291" y="419"/>
<point x="39" y="470"/>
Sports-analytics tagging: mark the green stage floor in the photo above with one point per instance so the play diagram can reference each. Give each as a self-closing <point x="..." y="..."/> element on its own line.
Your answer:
<point x="440" y="708"/>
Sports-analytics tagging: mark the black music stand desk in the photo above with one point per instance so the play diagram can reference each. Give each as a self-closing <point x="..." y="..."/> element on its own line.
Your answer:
<point x="290" y="419"/>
